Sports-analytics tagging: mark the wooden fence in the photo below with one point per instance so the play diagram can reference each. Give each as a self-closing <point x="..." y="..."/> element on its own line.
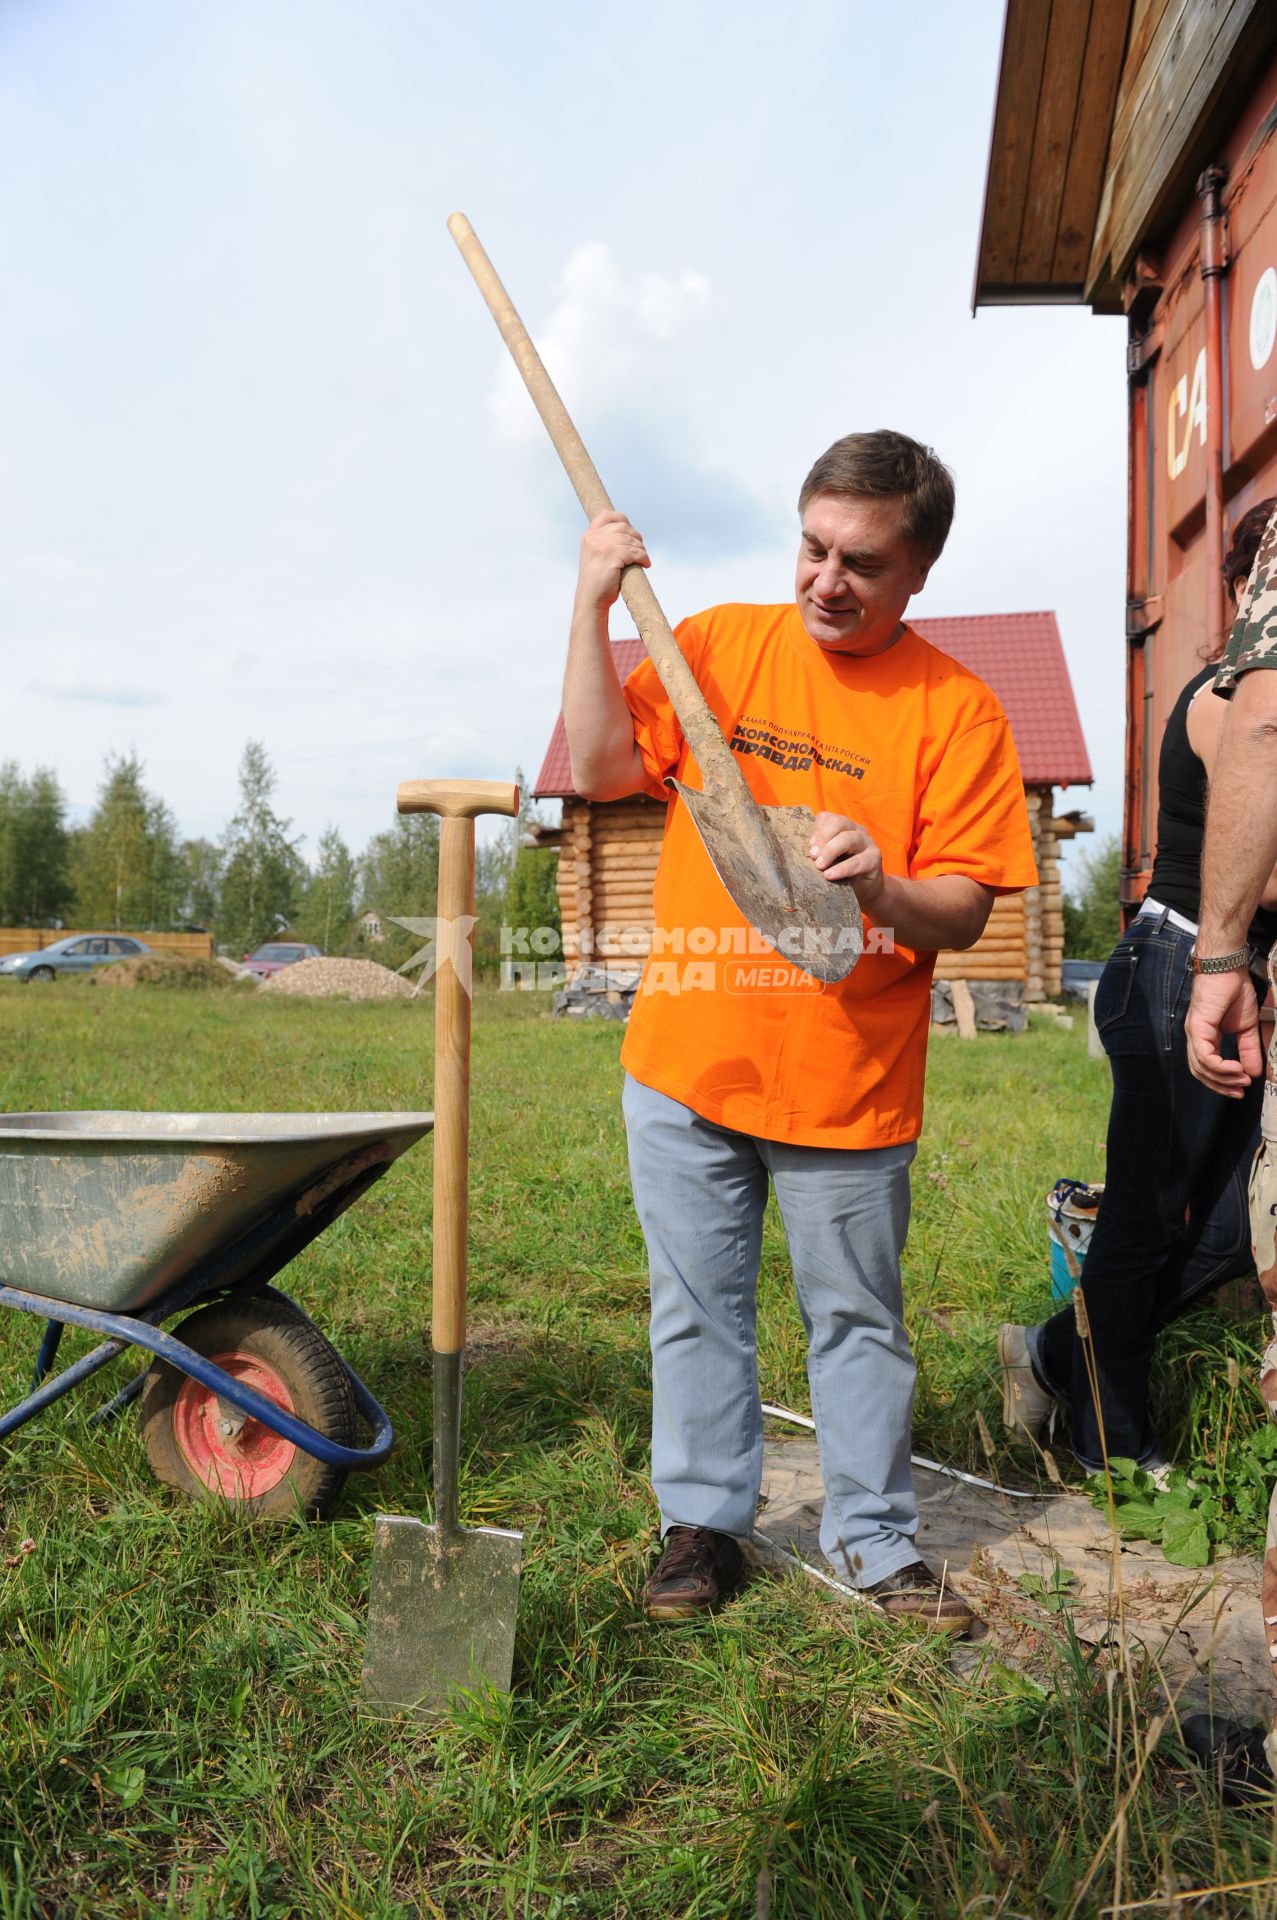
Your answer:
<point x="35" y="939"/>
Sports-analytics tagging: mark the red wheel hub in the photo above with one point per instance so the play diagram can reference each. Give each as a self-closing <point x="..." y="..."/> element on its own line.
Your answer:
<point x="243" y="1465"/>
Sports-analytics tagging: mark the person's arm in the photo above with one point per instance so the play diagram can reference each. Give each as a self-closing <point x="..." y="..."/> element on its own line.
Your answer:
<point x="1239" y="853"/>
<point x="606" y="763"/>
<point x="948" y="911"/>
<point x="1205" y="722"/>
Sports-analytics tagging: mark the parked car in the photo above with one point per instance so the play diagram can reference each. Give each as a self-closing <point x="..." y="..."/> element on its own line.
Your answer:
<point x="276" y="955"/>
<point x="79" y="953"/>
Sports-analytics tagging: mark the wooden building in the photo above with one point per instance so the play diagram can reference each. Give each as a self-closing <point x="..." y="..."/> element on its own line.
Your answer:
<point x="608" y="851"/>
<point x="1133" y="169"/>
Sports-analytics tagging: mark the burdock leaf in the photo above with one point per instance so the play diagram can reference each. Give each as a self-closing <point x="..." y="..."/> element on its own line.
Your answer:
<point x="1185" y="1539"/>
<point x="1139" y="1518"/>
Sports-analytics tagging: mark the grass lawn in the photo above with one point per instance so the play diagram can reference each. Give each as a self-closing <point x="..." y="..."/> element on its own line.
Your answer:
<point x="179" y="1726"/>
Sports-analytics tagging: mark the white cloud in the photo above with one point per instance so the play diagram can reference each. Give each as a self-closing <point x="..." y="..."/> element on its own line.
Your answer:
<point x="611" y="344"/>
<point x="628" y="357"/>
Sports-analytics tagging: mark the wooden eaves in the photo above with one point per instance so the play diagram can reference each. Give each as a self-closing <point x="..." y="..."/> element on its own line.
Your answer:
<point x="1105" y="111"/>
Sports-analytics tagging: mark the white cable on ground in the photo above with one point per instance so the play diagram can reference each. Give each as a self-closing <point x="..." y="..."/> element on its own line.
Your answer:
<point x="805" y="1566"/>
<point x="929" y="1466"/>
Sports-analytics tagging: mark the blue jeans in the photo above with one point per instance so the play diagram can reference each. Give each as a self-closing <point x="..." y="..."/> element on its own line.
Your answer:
<point x="1173" y="1221"/>
<point x="700" y="1191"/>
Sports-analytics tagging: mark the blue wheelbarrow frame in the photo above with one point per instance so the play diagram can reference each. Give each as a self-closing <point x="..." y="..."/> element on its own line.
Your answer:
<point x="324" y="1183"/>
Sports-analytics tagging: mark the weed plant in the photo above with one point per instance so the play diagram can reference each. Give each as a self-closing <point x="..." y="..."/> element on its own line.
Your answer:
<point x="179" y="1724"/>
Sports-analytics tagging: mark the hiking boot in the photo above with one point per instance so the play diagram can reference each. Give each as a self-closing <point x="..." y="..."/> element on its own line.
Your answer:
<point x="1026" y="1404"/>
<point x="697" y="1570"/>
<point x="916" y="1593"/>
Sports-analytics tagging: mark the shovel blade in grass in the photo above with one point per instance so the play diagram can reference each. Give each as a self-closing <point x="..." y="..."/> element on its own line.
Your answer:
<point x="441" y="1614"/>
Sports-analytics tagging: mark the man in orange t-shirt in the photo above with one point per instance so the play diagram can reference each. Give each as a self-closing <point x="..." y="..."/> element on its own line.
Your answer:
<point x="741" y="1069"/>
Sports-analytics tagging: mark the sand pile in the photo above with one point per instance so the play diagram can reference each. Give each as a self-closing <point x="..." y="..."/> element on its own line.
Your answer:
<point x="344" y="979"/>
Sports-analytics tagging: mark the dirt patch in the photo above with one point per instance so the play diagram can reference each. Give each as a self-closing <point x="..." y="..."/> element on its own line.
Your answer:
<point x="486" y="1343"/>
<point x="173" y="970"/>
<point x="1025" y="1564"/>
<point x="339" y="979"/>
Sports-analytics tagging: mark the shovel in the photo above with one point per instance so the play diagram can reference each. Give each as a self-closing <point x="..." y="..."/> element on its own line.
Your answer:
<point x="759" y="853"/>
<point x="443" y="1598"/>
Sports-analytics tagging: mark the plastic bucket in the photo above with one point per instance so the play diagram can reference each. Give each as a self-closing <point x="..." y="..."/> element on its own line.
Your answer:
<point x="1071" y="1207"/>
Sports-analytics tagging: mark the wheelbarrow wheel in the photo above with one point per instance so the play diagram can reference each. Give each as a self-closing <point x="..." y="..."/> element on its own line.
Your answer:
<point x="206" y="1450"/>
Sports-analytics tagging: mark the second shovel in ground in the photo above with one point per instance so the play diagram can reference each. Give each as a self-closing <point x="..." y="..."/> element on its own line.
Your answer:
<point x="443" y="1599"/>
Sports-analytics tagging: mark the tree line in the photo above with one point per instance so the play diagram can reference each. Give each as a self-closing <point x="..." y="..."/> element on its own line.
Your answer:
<point x="129" y="866"/>
<point x="1092" y="911"/>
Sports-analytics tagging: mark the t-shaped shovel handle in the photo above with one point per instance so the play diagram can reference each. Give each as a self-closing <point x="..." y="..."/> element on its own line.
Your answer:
<point x="457" y="802"/>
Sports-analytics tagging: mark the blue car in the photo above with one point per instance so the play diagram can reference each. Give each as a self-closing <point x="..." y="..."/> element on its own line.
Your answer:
<point x="78" y="953"/>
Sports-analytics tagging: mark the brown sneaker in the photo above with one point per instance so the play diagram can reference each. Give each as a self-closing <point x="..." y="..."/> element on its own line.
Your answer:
<point x="697" y="1570"/>
<point x="916" y="1593"/>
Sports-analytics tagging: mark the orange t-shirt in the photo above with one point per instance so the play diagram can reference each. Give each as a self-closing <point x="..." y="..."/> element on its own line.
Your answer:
<point x="907" y="742"/>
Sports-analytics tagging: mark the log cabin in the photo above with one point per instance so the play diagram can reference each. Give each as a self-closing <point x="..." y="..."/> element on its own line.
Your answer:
<point x="608" y="851"/>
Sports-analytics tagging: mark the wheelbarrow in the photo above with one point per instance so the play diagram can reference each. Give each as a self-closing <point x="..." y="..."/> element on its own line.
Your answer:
<point x="119" y="1221"/>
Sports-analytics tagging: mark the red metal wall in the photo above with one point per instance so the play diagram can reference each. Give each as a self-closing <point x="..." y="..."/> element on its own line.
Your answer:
<point x="1173" y="613"/>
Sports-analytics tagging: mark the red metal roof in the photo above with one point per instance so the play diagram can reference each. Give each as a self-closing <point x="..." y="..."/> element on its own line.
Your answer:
<point x="1019" y="655"/>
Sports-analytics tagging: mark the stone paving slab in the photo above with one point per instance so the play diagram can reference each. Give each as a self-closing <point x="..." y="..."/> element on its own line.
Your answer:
<point x="1203" y="1629"/>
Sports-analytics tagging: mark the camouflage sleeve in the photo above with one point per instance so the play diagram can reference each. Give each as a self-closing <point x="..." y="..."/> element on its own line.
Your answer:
<point x="1253" y="640"/>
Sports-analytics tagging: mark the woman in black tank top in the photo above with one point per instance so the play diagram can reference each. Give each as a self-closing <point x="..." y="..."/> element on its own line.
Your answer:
<point x="1173" y="1221"/>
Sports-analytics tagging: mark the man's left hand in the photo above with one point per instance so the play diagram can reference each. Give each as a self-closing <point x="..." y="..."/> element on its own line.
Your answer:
<point x="843" y="851"/>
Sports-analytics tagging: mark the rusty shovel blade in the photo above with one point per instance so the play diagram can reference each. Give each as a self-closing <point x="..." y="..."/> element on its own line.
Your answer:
<point x="765" y="866"/>
<point x="441" y="1614"/>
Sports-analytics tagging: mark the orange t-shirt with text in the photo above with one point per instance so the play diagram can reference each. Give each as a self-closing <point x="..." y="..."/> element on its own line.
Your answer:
<point x="908" y="743"/>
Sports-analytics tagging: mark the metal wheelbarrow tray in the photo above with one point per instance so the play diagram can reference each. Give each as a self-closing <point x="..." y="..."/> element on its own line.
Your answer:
<point x="116" y="1221"/>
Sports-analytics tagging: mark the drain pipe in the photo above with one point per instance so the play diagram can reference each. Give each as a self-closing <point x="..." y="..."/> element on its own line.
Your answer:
<point x="1214" y="265"/>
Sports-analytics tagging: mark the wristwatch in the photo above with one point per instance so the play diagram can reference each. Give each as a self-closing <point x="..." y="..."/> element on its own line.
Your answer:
<point x="1220" y="962"/>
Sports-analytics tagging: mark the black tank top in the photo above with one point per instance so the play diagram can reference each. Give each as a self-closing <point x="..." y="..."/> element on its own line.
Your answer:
<point x="1181" y="823"/>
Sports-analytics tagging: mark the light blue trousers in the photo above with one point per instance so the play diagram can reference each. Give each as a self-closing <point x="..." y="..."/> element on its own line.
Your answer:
<point x="700" y="1191"/>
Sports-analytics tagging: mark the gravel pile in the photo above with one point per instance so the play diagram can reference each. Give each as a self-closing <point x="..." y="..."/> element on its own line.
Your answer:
<point x="345" y="979"/>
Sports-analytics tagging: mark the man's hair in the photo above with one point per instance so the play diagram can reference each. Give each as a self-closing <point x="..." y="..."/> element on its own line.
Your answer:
<point x="889" y="466"/>
<point x="1244" y="544"/>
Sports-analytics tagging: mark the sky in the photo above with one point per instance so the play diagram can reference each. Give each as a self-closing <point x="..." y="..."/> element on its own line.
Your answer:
<point x="265" y="475"/>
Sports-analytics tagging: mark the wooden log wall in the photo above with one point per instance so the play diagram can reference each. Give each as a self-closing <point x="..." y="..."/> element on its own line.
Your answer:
<point x="1000" y="952"/>
<point x="1024" y="939"/>
<point x="607" y="864"/>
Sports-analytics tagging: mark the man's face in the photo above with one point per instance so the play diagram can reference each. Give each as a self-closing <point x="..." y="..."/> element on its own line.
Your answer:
<point x="856" y="573"/>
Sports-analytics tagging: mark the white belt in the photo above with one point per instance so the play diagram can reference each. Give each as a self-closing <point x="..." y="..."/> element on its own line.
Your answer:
<point x="1154" y="907"/>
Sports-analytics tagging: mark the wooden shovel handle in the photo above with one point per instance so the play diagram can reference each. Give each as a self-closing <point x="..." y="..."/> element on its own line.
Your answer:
<point x="457" y="799"/>
<point x="457" y="802"/>
<point x="700" y="729"/>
